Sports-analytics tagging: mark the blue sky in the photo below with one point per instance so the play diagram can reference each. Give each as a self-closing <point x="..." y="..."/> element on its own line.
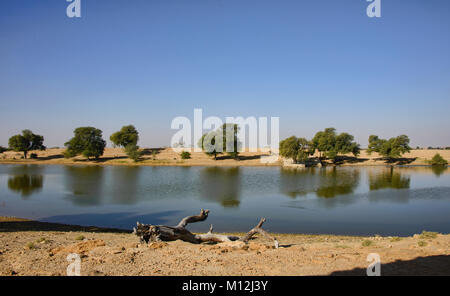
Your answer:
<point x="313" y="63"/>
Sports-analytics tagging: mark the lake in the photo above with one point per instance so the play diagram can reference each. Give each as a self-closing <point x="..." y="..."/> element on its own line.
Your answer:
<point x="344" y="200"/>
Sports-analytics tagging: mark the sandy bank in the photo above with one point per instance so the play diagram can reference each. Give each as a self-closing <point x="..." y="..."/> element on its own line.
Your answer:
<point x="43" y="248"/>
<point x="168" y="157"/>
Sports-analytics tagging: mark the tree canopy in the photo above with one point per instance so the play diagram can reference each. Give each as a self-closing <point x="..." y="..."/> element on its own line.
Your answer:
<point x="87" y="141"/>
<point x="393" y="148"/>
<point x="26" y="141"/>
<point x="126" y="136"/>
<point x="223" y="140"/>
<point x="330" y="144"/>
<point x="298" y="149"/>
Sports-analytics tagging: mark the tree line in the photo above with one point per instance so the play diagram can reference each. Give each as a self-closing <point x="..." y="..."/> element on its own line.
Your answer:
<point x="88" y="142"/>
<point x="331" y="145"/>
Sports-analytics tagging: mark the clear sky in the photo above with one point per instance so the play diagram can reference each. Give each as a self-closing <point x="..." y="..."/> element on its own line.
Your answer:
<point x="313" y="63"/>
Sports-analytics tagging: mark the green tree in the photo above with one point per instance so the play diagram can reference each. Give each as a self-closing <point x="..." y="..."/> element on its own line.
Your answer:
<point x="324" y="141"/>
<point x="87" y="141"/>
<point x="298" y="149"/>
<point x="133" y="152"/>
<point x="26" y="141"/>
<point x="438" y="160"/>
<point x="393" y="148"/>
<point x="127" y="138"/>
<point x="3" y="149"/>
<point x="231" y="144"/>
<point x="224" y="139"/>
<point x="185" y="155"/>
<point x="330" y="144"/>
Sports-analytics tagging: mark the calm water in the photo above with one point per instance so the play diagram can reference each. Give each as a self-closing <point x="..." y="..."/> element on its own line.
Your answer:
<point x="347" y="200"/>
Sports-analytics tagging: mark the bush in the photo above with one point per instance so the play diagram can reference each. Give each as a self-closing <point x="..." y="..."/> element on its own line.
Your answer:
<point x="33" y="156"/>
<point x="185" y="155"/>
<point x="422" y="244"/>
<point x="367" y="243"/>
<point x="438" y="160"/>
<point x="428" y="234"/>
<point x="79" y="237"/>
<point x="3" y="149"/>
<point x="133" y="152"/>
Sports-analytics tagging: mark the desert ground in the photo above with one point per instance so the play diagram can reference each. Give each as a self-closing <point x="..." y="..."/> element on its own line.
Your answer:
<point x="36" y="248"/>
<point x="168" y="157"/>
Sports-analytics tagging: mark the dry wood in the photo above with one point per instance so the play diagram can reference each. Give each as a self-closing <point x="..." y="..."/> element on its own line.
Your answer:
<point x="152" y="233"/>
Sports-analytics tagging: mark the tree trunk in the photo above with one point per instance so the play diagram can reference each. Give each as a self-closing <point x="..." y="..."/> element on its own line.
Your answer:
<point x="154" y="233"/>
<point x="25" y="154"/>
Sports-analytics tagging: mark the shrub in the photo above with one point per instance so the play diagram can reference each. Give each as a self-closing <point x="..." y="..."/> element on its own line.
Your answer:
<point x="185" y="155"/>
<point x="367" y="243"/>
<point x="79" y="237"/>
<point x="33" y="156"/>
<point x="428" y="234"/>
<point x="396" y="239"/>
<point x="3" y="149"/>
<point x="133" y="152"/>
<point x="422" y="244"/>
<point x="30" y="245"/>
<point x="438" y="160"/>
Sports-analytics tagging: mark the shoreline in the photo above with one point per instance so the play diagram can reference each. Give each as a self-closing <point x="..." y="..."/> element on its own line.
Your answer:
<point x="42" y="250"/>
<point x="167" y="157"/>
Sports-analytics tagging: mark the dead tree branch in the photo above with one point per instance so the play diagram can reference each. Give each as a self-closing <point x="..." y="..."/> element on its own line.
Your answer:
<point x="152" y="233"/>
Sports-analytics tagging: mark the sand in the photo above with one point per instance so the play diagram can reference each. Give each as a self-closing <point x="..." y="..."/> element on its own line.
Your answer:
<point x="168" y="157"/>
<point x="35" y="248"/>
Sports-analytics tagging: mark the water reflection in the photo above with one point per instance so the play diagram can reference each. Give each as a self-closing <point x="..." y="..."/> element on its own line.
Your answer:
<point x="221" y="185"/>
<point x="326" y="182"/>
<point x="388" y="178"/>
<point x="85" y="183"/>
<point x="25" y="180"/>
<point x="125" y="184"/>
<point x="439" y="169"/>
<point x="337" y="182"/>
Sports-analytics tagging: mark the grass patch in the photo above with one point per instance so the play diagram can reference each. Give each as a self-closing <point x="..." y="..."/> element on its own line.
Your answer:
<point x="428" y="234"/>
<point x="42" y="239"/>
<point x="342" y="246"/>
<point x="30" y="246"/>
<point x="396" y="239"/>
<point x="79" y="237"/>
<point x="367" y="243"/>
<point x="422" y="244"/>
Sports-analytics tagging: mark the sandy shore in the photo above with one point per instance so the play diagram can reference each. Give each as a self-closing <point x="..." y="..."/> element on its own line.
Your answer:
<point x="168" y="157"/>
<point x="34" y="248"/>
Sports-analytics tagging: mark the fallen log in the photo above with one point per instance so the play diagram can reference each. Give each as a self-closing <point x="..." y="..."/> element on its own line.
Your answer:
<point x="153" y="233"/>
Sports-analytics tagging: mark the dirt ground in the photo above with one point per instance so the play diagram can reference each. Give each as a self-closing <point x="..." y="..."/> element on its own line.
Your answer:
<point x="43" y="250"/>
<point x="168" y="157"/>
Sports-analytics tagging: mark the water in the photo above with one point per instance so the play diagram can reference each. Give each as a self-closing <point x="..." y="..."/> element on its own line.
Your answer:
<point x="345" y="200"/>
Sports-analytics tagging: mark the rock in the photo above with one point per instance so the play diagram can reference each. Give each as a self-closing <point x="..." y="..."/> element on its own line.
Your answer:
<point x="233" y="245"/>
<point x="79" y="248"/>
<point x="157" y="245"/>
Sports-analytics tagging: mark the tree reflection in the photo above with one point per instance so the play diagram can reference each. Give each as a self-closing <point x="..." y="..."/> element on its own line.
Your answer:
<point x="337" y="182"/>
<point x="388" y="179"/>
<point x="221" y="185"/>
<point x="85" y="183"/>
<point x="26" y="184"/>
<point x="124" y="185"/>
<point x="438" y="169"/>
<point x="325" y="182"/>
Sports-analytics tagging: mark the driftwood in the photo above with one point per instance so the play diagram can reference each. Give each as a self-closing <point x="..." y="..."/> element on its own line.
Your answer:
<point x="152" y="233"/>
